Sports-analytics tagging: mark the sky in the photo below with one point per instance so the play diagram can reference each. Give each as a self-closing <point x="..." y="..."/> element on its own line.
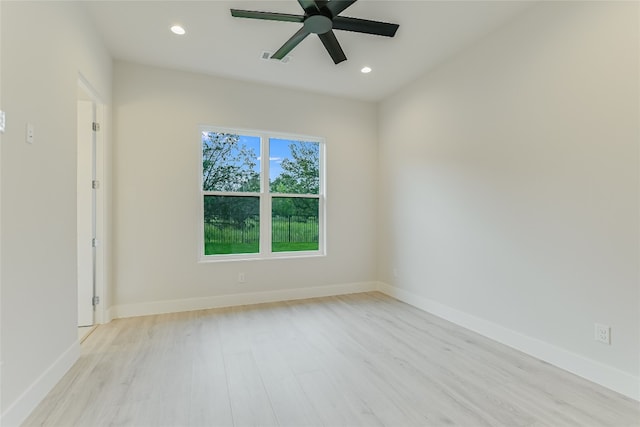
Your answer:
<point x="279" y="151"/>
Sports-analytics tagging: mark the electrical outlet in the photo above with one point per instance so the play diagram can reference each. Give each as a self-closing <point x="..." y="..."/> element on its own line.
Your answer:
<point x="242" y="278"/>
<point x="602" y="333"/>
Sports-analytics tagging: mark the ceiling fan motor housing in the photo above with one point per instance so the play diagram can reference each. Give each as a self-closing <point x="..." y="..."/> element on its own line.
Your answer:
<point x="318" y="24"/>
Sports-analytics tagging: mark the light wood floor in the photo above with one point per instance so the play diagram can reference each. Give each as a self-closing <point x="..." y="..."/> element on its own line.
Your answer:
<point x="85" y="331"/>
<point x="357" y="360"/>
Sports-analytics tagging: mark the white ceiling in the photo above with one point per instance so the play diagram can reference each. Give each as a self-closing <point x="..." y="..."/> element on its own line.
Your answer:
<point x="218" y="44"/>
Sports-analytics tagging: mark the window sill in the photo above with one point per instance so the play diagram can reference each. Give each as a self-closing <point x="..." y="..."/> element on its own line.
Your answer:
<point x="257" y="257"/>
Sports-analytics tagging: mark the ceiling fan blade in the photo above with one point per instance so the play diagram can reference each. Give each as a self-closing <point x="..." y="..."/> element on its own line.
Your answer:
<point x="337" y="6"/>
<point x="310" y="7"/>
<point x="364" y="26"/>
<point x="330" y="42"/>
<point x="291" y="43"/>
<point x="237" y="13"/>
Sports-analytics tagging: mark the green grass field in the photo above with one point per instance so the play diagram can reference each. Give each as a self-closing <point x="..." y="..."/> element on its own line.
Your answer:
<point x="213" y="248"/>
<point x="218" y="248"/>
<point x="294" y="246"/>
<point x="290" y="237"/>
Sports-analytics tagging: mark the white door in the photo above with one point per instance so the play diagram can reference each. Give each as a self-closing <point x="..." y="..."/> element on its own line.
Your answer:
<point x="86" y="212"/>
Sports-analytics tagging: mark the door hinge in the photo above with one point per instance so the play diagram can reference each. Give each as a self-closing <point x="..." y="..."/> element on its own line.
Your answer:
<point x="95" y="126"/>
<point x="95" y="184"/>
<point x="95" y="300"/>
<point x="94" y="243"/>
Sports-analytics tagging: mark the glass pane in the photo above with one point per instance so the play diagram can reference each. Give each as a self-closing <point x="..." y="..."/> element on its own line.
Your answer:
<point x="231" y="225"/>
<point x="230" y="162"/>
<point x="294" y="224"/>
<point x="294" y="166"/>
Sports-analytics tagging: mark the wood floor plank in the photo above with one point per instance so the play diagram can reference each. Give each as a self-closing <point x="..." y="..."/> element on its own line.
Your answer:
<point x="250" y="404"/>
<point x="353" y="360"/>
<point x="209" y="397"/>
<point x="289" y="403"/>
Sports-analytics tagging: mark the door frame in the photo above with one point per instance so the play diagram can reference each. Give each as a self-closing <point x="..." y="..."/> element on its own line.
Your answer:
<point x="100" y="201"/>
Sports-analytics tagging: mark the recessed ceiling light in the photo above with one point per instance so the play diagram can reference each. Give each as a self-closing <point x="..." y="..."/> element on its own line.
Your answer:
<point x="365" y="70"/>
<point x="177" y="29"/>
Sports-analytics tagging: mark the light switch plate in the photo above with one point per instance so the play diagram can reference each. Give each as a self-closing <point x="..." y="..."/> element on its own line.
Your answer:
<point x="29" y="135"/>
<point x="2" y="121"/>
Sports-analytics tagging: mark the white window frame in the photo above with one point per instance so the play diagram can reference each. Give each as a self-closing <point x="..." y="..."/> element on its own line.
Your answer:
<point x="265" y="197"/>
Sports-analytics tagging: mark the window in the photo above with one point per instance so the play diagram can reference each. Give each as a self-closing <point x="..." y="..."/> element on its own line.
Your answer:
<point x="254" y="208"/>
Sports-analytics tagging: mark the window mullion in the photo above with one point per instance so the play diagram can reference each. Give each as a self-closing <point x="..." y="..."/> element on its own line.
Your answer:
<point x="229" y="193"/>
<point x="300" y="196"/>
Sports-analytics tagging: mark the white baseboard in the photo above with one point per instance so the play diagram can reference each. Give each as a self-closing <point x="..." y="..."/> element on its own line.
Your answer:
<point x="20" y="409"/>
<point x="108" y="315"/>
<point x="218" y="301"/>
<point x="599" y="373"/>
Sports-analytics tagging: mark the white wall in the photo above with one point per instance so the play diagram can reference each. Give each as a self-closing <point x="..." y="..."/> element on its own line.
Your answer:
<point x="45" y="45"/>
<point x="156" y="196"/>
<point x="510" y="187"/>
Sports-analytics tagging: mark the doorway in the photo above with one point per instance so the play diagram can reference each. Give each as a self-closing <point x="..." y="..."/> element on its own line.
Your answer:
<point x="88" y="207"/>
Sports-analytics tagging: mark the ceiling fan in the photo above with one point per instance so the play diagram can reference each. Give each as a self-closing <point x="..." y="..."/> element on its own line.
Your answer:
<point x="321" y="18"/>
